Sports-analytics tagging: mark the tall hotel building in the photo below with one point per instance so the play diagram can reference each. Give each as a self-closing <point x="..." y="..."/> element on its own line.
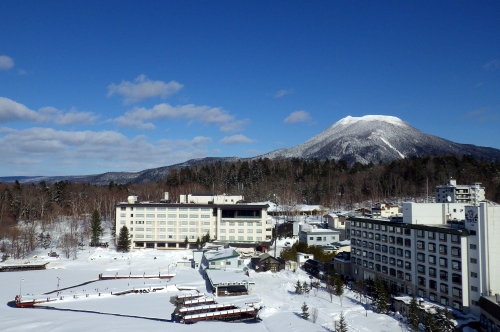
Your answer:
<point x="444" y="252"/>
<point x="166" y="225"/>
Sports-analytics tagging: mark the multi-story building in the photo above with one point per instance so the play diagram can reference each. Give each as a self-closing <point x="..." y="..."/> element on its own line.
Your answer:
<point x="384" y="210"/>
<point x="319" y="237"/>
<point x="442" y="252"/>
<point x="453" y="193"/>
<point x="166" y="225"/>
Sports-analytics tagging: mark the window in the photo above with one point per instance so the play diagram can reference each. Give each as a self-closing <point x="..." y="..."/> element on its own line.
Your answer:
<point x="473" y="288"/>
<point x="432" y="247"/>
<point x="183" y="215"/>
<point x="384" y="238"/>
<point x="249" y="230"/>
<point x="172" y="209"/>
<point x="222" y="230"/>
<point x="442" y="236"/>
<point x="443" y="275"/>
<point x="457" y="292"/>
<point x="455" y="251"/>
<point x="432" y="259"/>
<point x="392" y="250"/>
<point x="377" y="257"/>
<point x="231" y="223"/>
<point x="392" y="261"/>
<point x="122" y="215"/>
<point x="433" y="284"/>
<point x="377" y="247"/>
<point x="364" y="234"/>
<point x="431" y="235"/>
<point x="171" y="215"/>
<point x="383" y="228"/>
<point x="443" y="262"/>
<point x="420" y="233"/>
<point x="408" y="265"/>
<point x="377" y="237"/>
<point x="392" y="239"/>
<point x="432" y="297"/>
<point x="443" y="288"/>
<point x="473" y="260"/>
<point x="122" y="222"/>
<point x="193" y="223"/>
<point x="384" y="248"/>
<point x="171" y="223"/>
<point x="377" y="227"/>
<point x="420" y="244"/>
<point x="231" y="230"/>
<point x="391" y="229"/>
<point x="473" y="274"/>
<point x="241" y="223"/>
<point x="421" y="257"/>
<point x="250" y="238"/>
<point x="443" y="249"/>
<point x="455" y="238"/>
<point x="421" y="269"/>
<point x="241" y="231"/>
<point x="407" y="231"/>
<point x="149" y="215"/>
<point x="399" y="230"/>
<point x="455" y="265"/>
<point x="473" y="246"/>
<point x="240" y="238"/>
<point x="399" y="252"/>
<point x="259" y="230"/>
<point x="408" y="254"/>
<point x="444" y="301"/>
<point x="399" y="241"/>
<point x="432" y="272"/>
<point x="399" y="263"/>
<point x="407" y="243"/>
<point x="162" y="222"/>
<point x="421" y="282"/>
<point x="408" y="276"/>
<point x="194" y="216"/>
<point x="123" y="208"/>
<point x="370" y="226"/>
<point x="370" y="235"/>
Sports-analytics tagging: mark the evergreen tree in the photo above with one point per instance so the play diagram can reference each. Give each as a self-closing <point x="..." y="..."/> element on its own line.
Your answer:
<point x="443" y="320"/>
<point x="305" y="288"/>
<point x="342" y="325"/>
<point x="186" y="241"/>
<point x="358" y="284"/>
<point x="124" y="241"/>
<point x="430" y="322"/>
<point x="413" y="314"/>
<point x="198" y="242"/>
<point x="47" y="240"/>
<point x="380" y="296"/>
<point x="305" y="311"/>
<point x="298" y="288"/>
<point x="267" y="265"/>
<point x="96" y="229"/>
<point x="339" y="288"/>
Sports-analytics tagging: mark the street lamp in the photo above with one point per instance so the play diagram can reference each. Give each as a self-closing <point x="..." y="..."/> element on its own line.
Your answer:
<point x="57" y="283"/>
<point x="20" y="288"/>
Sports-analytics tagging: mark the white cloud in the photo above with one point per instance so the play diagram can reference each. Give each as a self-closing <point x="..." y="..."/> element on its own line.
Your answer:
<point x="298" y="116"/>
<point x="11" y="110"/>
<point x="282" y="93"/>
<point x="234" y="126"/>
<point x="87" y="149"/>
<point x="236" y="139"/>
<point x="6" y="62"/>
<point x="143" y="88"/>
<point x="140" y="117"/>
<point x="493" y="64"/>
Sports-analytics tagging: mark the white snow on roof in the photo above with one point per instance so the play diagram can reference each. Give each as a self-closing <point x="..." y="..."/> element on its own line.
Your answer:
<point x="220" y="253"/>
<point x="221" y="277"/>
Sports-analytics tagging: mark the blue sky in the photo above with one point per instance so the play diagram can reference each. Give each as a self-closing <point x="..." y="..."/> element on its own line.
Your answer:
<point x="97" y="86"/>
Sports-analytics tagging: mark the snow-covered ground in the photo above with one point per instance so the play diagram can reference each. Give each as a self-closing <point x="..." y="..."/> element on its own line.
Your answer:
<point x="101" y="311"/>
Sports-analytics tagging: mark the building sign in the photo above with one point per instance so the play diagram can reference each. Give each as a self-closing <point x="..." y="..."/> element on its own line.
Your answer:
<point x="471" y="217"/>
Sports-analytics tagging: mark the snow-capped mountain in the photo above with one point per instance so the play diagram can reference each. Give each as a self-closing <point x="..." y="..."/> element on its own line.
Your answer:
<point x="374" y="138"/>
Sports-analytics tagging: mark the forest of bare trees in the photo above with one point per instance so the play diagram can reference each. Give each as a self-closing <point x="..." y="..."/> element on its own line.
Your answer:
<point x="63" y="209"/>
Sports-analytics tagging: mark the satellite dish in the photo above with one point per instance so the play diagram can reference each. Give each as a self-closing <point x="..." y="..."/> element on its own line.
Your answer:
<point x="448" y="198"/>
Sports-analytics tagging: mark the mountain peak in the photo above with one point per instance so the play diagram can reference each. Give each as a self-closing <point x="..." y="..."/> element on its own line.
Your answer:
<point x="349" y="120"/>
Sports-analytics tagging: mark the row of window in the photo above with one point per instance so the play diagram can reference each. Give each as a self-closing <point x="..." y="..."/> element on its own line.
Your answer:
<point x="378" y="257"/>
<point x="379" y="247"/>
<point x="456" y="279"/>
<point x="240" y="238"/>
<point x="232" y="230"/>
<point x="170" y="230"/>
<point x="381" y="237"/>
<point x="123" y="208"/>
<point x="441" y="236"/>
<point x="241" y="223"/>
<point x="170" y="216"/>
<point x="383" y="228"/>
<point x="443" y="249"/>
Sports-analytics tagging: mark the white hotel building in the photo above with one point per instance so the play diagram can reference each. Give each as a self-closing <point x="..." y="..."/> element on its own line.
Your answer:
<point x="166" y="225"/>
<point x="444" y="252"/>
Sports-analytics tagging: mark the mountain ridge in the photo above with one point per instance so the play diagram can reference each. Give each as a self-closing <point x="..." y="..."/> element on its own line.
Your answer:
<point x="366" y="139"/>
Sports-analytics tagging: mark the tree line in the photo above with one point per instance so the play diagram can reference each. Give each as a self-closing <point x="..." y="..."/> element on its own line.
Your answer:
<point x="28" y="209"/>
